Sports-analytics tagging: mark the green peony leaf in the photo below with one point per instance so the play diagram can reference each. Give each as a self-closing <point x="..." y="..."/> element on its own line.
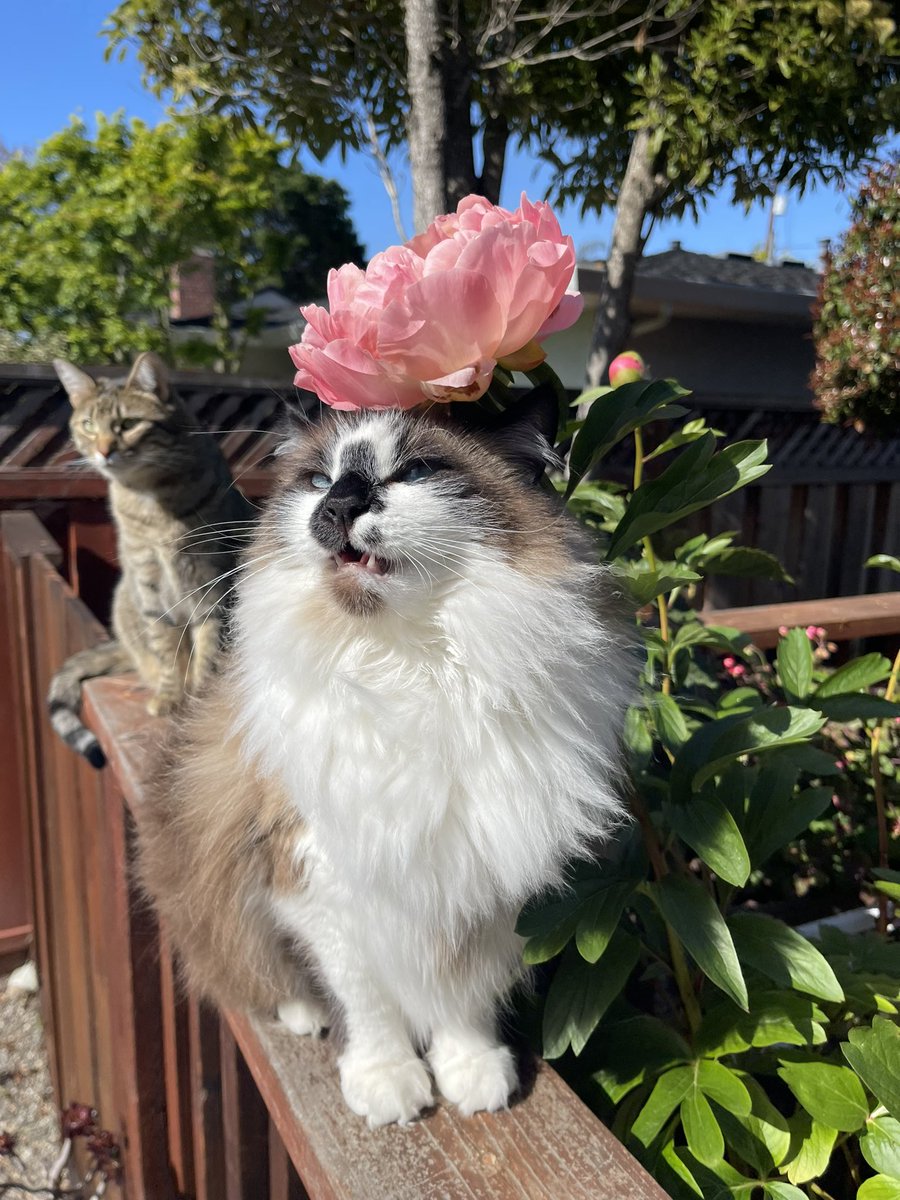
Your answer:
<point x="810" y="1149"/>
<point x="696" y="478"/>
<point x="885" y="561"/>
<point x="783" y="818"/>
<point x="696" y="919"/>
<point x="744" y="562"/>
<point x="853" y="676"/>
<point x="761" y="1136"/>
<point x="670" y="722"/>
<point x="783" y="955"/>
<point x="668" y="1092"/>
<point x="857" y="706"/>
<point x="777" y="1189"/>
<point x="599" y="919"/>
<point x="634" y="1050"/>
<point x="719" y="742"/>
<point x="613" y="414"/>
<point x="701" y="1129"/>
<point x="831" y="1095"/>
<point x="888" y="882"/>
<point x="581" y="992"/>
<point x="880" y="1145"/>
<point x="874" y="1054"/>
<point x="879" y="1187"/>
<point x="794" y="661"/>
<point x="721" y="1084"/>
<point x="645" y="586"/>
<point x="709" y="828"/>
<point x="775" y="1017"/>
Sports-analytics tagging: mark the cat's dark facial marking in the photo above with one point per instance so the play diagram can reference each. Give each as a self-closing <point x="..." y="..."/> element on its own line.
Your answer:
<point x="391" y="504"/>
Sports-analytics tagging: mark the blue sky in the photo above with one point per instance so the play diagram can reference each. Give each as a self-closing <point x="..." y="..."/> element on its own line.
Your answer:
<point x="53" y="67"/>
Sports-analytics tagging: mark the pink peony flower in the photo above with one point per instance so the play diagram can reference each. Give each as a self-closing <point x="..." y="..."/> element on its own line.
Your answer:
<point x="429" y="321"/>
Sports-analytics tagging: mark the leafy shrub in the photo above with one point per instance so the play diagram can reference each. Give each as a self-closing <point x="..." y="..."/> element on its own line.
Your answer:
<point x="731" y="1054"/>
<point x="857" y="334"/>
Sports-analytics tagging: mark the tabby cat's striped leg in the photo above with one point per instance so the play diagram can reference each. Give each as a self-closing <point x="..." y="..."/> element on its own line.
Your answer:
<point x="162" y="663"/>
<point x="205" y="638"/>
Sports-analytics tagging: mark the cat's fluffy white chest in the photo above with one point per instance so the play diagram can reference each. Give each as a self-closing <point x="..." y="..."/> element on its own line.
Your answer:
<point x="451" y="764"/>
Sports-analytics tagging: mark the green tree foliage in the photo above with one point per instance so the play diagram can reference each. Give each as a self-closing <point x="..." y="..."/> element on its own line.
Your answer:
<point x="92" y="227"/>
<point x="857" y="331"/>
<point x="353" y="75"/>
<point x="727" y="102"/>
<point x="651" y="106"/>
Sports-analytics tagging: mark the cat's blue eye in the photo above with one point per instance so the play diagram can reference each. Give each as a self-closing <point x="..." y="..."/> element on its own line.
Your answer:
<point x="419" y="470"/>
<point x="320" y="481"/>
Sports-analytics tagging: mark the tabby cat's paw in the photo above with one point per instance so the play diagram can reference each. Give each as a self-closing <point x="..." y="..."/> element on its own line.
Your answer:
<point x="387" y="1090"/>
<point x="475" y="1082"/>
<point x="307" y="1017"/>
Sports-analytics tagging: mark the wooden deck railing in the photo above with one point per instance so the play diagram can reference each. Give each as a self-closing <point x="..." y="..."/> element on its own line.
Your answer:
<point x="231" y="1107"/>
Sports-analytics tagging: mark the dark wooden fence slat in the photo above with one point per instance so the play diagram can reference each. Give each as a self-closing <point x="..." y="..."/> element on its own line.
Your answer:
<point x="206" y="1101"/>
<point x="284" y="1182"/>
<point x="245" y="1126"/>
<point x="176" y="1053"/>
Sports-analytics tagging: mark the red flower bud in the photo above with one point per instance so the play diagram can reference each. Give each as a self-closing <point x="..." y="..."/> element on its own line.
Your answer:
<point x="78" y="1120"/>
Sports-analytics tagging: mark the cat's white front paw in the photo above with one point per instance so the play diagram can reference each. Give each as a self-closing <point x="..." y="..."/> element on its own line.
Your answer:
<point x="307" y="1017"/>
<point x="386" y="1090"/>
<point x="480" y="1081"/>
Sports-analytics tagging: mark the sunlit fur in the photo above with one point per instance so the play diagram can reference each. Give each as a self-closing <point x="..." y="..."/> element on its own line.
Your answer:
<point x="179" y="521"/>
<point x="394" y="762"/>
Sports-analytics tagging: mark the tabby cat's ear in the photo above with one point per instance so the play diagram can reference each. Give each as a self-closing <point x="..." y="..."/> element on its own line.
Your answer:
<point x="150" y="375"/>
<point x="78" y="385"/>
<point x="524" y="435"/>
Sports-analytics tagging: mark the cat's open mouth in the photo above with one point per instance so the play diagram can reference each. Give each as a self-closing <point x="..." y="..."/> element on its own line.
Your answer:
<point x="351" y="557"/>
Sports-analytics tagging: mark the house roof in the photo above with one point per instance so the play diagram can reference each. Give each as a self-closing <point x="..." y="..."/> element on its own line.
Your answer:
<point x="731" y="270"/>
<point x="731" y="287"/>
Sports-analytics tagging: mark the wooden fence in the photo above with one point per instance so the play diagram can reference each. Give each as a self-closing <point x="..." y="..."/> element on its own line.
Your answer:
<point x="230" y="1107"/>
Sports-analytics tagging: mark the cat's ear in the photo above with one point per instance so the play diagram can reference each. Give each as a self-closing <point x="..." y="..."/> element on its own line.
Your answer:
<point x="149" y="374"/>
<point x="523" y="435"/>
<point x="78" y="385"/>
<point x="295" y="423"/>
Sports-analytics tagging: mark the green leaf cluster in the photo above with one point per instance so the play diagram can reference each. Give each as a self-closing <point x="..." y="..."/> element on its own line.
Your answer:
<point x="731" y="1053"/>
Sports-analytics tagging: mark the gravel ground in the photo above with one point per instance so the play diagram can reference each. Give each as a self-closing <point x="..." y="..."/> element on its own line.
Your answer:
<point x="27" y="1107"/>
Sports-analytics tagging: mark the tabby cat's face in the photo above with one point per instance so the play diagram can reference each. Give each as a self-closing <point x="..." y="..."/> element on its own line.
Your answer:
<point x="126" y="428"/>
<point x="386" y="507"/>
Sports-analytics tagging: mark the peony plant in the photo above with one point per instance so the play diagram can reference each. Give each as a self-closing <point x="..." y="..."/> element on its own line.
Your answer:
<point x="429" y="321"/>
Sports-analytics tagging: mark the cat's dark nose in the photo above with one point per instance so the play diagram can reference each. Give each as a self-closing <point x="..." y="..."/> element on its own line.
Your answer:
<point x="347" y="499"/>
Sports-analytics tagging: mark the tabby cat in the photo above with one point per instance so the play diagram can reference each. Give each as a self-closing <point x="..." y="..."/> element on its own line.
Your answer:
<point x="178" y="518"/>
<point x="416" y="728"/>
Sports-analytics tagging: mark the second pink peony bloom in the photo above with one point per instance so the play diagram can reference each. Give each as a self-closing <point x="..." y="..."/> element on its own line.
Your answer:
<point x="429" y="321"/>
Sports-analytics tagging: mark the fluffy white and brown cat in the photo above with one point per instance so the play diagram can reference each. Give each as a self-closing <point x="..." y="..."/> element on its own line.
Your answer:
<point x="416" y="730"/>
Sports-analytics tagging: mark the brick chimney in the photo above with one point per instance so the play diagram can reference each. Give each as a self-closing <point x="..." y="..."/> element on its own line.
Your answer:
<point x="194" y="287"/>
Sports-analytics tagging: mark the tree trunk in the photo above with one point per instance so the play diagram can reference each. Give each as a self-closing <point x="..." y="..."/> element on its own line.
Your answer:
<point x="641" y="189"/>
<point x="439" y="74"/>
<point x="494" y="142"/>
<point x="427" y="121"/>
